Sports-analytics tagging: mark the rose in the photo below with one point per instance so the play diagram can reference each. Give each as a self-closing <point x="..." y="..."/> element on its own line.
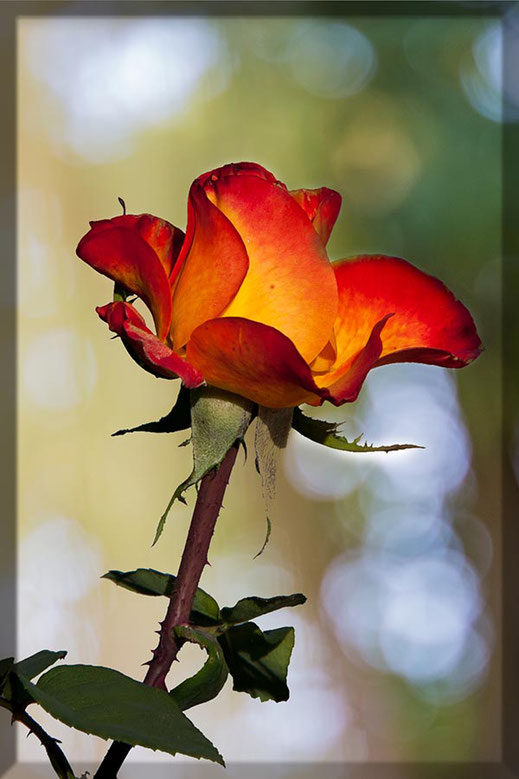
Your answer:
<point x="248" y="301"/>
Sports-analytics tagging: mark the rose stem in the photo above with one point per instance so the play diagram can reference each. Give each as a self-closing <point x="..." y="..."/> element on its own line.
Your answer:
<point x="194" y="559"/>
<point x="56" y="756"/>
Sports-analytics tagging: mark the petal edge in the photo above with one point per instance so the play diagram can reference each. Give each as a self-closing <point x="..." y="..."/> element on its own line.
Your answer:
<point x="146" y="349"/>
<point x="253" y="360"/>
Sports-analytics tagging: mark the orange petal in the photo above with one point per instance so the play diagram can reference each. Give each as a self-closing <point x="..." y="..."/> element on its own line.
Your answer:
<point x="321" y="206"/>
<point x="348" y="380"/>
<point x="290" y="284"/>
<point x="213" y="263"/>
<point x="252" y="360"/>
<point x="117" y="249"/>
<point x="427" y="325"/>
<point x="145" y="348"/>
<point x="326" y="358"/>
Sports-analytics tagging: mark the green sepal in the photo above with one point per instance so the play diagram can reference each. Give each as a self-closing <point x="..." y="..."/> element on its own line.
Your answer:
<point x="327" y="433"/>
<point x="179" y="418"/>
<point x="254" y="607"/>
<point x="218" y="420"/>
<point x="120" y="292"/>
<point x="258" y="661"/>
<point x="207" y="683"/>
<point x="272" y="429"/>
<point x="147" y="581"/>
<point x="108" y="704"/>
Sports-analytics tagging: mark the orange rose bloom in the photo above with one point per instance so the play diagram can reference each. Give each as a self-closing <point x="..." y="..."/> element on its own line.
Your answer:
<point x="248" y="301"/>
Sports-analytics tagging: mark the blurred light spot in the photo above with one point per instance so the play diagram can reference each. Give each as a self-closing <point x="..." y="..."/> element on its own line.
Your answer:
<point x="465" y="677"/>
<point x="481" y="78"/>
<point x="117" y="77"/>
<point x="414" y="618"/>
<point x="481" y="75"/>
<point x="431" y="604"/>
<point x="331" y="59"/>
<point x="315" y="716"/>
<point x="268" y="579"/>
<point x="510" y="26"/>
<point x="305" y="726"/>
<point x="488" y="54"/>
<point x="59" y="560"/>
<point x="404" y="530"/>
<point x="352" y="595"/>
<point x="43" y="280"/>
<point x="59" y="369"/>
<point x="59" y="564"/>
<point x="416" y="404"/>
<point x="376" y="161"/>
<point x="321" y="473"/>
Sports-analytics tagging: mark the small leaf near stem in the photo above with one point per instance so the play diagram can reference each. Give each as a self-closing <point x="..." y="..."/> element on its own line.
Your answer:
<point x="258" y="660"/>
<point x="147" y="581"/>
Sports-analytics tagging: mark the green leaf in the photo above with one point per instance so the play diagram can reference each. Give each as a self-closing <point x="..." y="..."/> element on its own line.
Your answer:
<point x="327" y="433"/>
<point x="147" y="581"/>
<point x="179" y="418"/>
<point x="258" y="661"/>
<point x="14" y="691"/>
<point x="272" y="429"/>
<point x="37" y="663"/>
<point x="110" y="705"/>
<point x="218" y="420"/>
<point x="207" y="683"/>
<point x="5" y="667"/>
<point x="253" y="607"/>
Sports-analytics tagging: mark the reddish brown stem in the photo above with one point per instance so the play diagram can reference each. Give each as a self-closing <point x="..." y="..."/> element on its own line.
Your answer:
<point x="194" y="558"/>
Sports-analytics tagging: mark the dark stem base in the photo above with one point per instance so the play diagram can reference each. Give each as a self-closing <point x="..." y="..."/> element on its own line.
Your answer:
<point x="194" y="559"/>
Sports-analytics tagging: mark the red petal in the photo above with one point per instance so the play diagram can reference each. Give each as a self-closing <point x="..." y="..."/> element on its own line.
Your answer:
<point x="252" y="360"/>
<point x="145" y="348"/>
<point x="321" y="206"/>
<point x="428" y="324"/>
<point x="239" y="169"/>
<point x="164" y="238"/>
<point x="290" y="283"/>
<point x="213" y="264"/>
<point x="118" y="249"/>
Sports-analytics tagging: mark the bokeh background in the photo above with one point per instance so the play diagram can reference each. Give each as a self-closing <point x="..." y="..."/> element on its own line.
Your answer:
<point x="397" y="651"/>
